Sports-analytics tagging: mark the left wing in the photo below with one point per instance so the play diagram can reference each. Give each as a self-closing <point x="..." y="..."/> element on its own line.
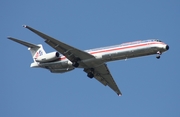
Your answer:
<point x="68" y="51"/>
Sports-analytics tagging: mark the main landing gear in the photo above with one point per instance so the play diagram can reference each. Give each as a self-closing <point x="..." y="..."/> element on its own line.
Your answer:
<point x="90" y="72"/>
<point x="90" y="75"/>
<point x="75" y="63"/>
<point x="159" y="55"/>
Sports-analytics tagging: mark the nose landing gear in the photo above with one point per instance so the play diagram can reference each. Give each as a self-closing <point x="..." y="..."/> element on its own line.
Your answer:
<point x="159" y="55"/>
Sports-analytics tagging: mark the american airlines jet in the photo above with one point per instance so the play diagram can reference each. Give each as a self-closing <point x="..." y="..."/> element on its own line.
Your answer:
<point x="92" y="61"/>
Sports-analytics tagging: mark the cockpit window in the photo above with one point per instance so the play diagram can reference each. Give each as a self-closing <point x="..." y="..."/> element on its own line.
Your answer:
<point x="157" y="40"/>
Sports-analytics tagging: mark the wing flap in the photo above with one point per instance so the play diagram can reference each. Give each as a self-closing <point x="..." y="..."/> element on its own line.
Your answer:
<point x="101" y="80"/>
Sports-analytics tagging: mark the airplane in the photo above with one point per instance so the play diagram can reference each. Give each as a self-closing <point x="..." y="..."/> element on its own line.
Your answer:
<point x="93" y="61"/>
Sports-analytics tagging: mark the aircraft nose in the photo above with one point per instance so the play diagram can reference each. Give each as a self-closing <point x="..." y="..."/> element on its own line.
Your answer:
<point x="167" y="47"/>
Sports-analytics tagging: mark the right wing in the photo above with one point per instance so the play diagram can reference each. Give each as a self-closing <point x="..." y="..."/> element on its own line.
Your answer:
<point x="103" y="75"/>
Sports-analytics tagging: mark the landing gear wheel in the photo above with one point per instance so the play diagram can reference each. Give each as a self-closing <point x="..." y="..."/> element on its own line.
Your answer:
<point x="75" y="64"/>
<point x="90" y="75"/>
<point x="158" y="57"/>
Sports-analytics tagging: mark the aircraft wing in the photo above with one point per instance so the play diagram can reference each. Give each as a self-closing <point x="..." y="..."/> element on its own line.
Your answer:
<point x="103" y="75"/>
<point x="101" y="71"/>
<point x="68" y="51"/>
<point x="29" y="45"/>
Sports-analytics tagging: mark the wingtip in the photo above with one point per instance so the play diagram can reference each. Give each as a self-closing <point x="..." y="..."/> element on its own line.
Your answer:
<point x="8" y="37"/>
<point x="119" y="94"/>
<point x="24" y="26"/>
<point x="11" y="38"/>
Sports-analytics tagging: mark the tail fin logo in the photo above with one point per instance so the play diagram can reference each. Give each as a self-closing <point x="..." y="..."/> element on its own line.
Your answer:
<point x="39" y="53"/>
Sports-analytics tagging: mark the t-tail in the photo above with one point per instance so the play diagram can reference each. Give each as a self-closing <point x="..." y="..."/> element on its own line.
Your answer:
<point x="36" y="50"/>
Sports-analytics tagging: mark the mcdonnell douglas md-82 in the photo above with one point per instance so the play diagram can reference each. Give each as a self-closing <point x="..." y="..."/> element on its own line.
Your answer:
<point x="93" y="61"/>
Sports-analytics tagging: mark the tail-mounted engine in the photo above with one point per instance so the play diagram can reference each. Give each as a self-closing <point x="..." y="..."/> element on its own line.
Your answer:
<point x="49" y="57"/>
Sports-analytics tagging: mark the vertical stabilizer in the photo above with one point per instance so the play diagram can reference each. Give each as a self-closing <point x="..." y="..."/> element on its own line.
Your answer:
<point x="36" y="52"/>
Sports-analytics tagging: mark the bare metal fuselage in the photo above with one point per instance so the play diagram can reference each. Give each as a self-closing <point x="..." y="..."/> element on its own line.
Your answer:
<point x="110" y="53"/>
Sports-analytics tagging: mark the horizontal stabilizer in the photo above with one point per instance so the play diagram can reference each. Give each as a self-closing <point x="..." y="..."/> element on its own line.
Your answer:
<point x="29" y="45"/>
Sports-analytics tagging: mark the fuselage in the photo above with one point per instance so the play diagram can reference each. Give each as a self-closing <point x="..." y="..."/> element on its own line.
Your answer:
<point x="111" y="53"/>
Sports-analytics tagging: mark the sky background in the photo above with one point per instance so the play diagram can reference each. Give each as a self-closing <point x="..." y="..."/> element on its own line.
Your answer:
<point x="150" y="87"/>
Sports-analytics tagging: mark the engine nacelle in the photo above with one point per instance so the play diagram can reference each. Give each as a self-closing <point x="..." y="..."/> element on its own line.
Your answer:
<point x="48" y="57"/>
